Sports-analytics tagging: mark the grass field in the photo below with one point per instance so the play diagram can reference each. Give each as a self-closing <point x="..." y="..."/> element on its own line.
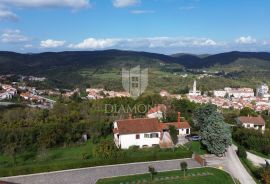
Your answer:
<point x="193" y="176"/>
<point x="79" y="156"/>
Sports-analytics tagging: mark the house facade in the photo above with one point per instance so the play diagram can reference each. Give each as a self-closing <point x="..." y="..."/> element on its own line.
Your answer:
<point x="145" y="132"/>
<point x="159" y="111"/>
<point x="257" y="123"/>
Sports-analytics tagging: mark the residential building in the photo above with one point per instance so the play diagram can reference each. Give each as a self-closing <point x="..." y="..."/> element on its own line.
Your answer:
<point x="164" y="93"/>
<point x="159" y="111"/>
<point x="7" y="92"/>
<point x="263" y="91"/>
<point x="234" y="92"/>
<point x="5" y="95"/>
<point x="219" y="93"/>
<point x="145" y="132"/>
<point x="257" y="123"/>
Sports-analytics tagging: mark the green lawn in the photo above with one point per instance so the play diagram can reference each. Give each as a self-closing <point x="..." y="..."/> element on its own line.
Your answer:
<point x="196" y="147"/>
<point x="50" y="156"/>
<point x="80" y="156"/>
<point x="194" y="176"/>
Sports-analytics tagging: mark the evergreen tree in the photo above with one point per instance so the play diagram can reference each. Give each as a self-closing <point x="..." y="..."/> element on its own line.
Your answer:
<point x="201" y="115"/>
<point x="216" y="135"/>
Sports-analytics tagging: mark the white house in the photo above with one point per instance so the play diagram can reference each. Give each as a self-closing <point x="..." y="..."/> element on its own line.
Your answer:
<point x="144" y="132"/>
<point x="8" y="92"/>
<point x="164" y="93"/>
<point x="5" y="95"/>
<point x="234" y="92"/>
<point x="183" y="127"/>
<point x="263" y="91"/>
<point x="257" y="123"/>
<point x="219" y="93"/>
<point x="157" y="112"/>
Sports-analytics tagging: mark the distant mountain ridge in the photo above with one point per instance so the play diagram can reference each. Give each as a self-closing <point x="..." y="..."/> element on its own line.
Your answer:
<point x="12" y="62"/>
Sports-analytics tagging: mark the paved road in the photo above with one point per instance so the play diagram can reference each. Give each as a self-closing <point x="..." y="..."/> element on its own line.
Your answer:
<point x="256" y="160"/>
<point x="91" y="175"/>
<point x="231" y="163"/>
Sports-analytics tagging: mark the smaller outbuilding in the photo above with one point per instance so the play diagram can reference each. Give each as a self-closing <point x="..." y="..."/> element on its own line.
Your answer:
<point x="257" y="123"/>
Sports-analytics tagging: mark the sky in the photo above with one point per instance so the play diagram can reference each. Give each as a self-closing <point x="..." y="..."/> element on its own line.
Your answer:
<point x="161" y="26"/>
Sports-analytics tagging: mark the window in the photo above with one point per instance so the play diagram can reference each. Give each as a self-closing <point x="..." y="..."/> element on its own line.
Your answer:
<point x="135" y="82"/>
<point x="135" y="79"/>
<point x="154" y="135"/>
<point x="146" y="135"/>
<point x="138" y="136"/>
<point x="135" y="85"/>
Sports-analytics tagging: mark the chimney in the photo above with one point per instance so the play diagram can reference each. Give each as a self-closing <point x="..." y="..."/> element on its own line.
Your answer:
<point x="179" y="118"/>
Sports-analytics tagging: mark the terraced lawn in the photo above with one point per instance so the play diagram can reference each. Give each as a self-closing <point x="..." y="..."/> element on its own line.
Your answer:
<point x="193" y="176"/>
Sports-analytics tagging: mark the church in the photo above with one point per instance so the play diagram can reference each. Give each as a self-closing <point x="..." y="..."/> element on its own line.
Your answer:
<point x="194" y="91"/>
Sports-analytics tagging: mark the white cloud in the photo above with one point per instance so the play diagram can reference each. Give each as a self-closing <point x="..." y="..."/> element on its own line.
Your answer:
<point x="142" y="11"/>
<point x="7" y="15"/>
<point x="51" y="43"/>
<point x="266" y="42"/>
<point x="47" y="3"/>
<point x="92" y="43"/>
<point x="28" y="46"/>
<point x="125" y="3"/>
<point x="135" y="43"/>
<point x="13" y="36"/>
<point x="245" y="40"/>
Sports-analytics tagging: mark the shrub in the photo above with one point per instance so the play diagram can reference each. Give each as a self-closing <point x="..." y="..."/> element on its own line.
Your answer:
<point x="241" y="152"/>
<point x="134" y="148"/>
<point x="266" y="176"/>
<point x="106" y="149"/>
<point x="266" y="149"/>
<point x="85" y="156"/>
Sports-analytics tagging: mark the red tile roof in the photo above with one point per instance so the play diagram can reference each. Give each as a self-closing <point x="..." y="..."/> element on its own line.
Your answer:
<point x="133" y="126"/>
<point x="176" y="124"/>
<point x="251" y="120"/>
<point x="145" y="125"/>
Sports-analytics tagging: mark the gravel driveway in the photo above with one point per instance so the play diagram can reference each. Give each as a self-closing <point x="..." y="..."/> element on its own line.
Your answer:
<point x="92" y="174"/>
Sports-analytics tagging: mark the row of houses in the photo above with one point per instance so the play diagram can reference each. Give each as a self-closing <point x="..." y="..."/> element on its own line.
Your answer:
<point x="256" y="103"/>
<point x="99" y="93"/>
<point x="38" y="101"/>
<point x="7" y="92"/>
<point x="150" y="131"/>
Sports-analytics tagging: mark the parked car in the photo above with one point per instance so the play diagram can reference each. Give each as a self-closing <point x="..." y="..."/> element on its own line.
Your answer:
<point x="193" y="137"/>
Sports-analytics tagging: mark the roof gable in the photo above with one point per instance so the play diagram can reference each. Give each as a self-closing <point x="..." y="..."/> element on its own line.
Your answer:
<point x="251" y="120"/>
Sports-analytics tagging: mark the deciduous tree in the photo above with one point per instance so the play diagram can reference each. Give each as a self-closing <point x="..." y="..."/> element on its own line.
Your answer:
<point x="184" y="166"/>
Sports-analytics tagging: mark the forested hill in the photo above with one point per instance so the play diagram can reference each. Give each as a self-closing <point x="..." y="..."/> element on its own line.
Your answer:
<point x="12" y="62"/>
